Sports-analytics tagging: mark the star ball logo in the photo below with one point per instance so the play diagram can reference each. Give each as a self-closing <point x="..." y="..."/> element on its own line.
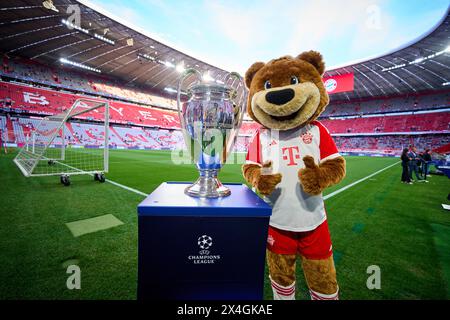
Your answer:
<point x="330" y="85"/>
<point x="204" y="242"/>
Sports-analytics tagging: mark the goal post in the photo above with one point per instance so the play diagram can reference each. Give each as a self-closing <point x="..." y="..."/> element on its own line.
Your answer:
<point x="75" y="141"/>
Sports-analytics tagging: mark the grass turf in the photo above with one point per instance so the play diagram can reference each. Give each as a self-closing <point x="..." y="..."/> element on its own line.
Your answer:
<point x="377" y="222"/>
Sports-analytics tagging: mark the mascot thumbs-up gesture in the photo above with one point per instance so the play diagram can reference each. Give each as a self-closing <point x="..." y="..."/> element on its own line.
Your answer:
<point x="290" y="161"/>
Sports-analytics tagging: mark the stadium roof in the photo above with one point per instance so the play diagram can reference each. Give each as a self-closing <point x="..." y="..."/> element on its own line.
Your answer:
<point x="30" y="30"/>
<point x="420" y="65"/>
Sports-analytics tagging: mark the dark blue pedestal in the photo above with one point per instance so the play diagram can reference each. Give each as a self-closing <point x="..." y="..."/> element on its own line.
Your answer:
<point x="202" y="249"/>
<point x="445" y="170"/>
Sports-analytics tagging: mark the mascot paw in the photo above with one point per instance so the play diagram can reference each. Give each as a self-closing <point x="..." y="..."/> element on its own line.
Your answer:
<point x="267" y="182"/>
<point x="310" y="176"/>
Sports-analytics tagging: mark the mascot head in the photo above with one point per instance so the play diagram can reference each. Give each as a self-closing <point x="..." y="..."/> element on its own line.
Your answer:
<point x="288" y="92"/>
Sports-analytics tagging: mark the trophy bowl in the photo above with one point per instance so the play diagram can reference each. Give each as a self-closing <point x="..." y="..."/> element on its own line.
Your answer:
<point x="210" y="120"/>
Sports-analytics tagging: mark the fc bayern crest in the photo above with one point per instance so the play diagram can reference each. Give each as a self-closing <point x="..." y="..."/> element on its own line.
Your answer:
<point x="307" y="137"/>
<point x="330" y="85"/>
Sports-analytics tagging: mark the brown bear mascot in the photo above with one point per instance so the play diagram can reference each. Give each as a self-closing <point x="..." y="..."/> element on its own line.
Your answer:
<point x="290" y="161"/>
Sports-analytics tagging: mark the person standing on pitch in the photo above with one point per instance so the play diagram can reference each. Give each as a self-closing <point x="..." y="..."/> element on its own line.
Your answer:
<point x="414" y="158"/>
<point x="426" y="162"/>
<point x="405" y="167"/>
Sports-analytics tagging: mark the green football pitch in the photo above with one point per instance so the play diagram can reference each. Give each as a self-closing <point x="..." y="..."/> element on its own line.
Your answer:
<point x="400" y="228"/>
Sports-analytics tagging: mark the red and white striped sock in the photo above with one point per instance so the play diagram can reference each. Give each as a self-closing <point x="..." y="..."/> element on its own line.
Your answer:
<point x="283" y="293"/>
<point x="320" y="296"/>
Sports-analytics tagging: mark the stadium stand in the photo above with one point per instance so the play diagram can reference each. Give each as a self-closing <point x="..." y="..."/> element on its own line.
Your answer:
<point x="27" y="99"/>
<point x="27" y="70"/>
<point x="427" y="101"/>
<point x="426" y="122"/>
<point x="31" y="71"/>
<point x="92" y="135"/>
<point x="2" y="123"/>
<point x="2" y="126"/>
<point x="389" y="144"/>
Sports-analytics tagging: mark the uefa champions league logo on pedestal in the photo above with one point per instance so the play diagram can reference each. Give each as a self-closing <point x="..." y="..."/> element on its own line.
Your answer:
<point x="204" y="242"/>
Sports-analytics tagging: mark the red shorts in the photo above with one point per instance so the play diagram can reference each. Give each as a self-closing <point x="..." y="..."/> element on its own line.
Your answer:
<point x="314" y="244"/>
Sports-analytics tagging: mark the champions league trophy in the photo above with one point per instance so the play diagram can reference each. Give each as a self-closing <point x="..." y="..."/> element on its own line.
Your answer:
<point x="210" y="120"/>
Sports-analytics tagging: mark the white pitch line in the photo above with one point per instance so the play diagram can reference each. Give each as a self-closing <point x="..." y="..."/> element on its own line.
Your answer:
<point x="127" y="188"/>
<point x="356" y="182"/>
<point x="107" y="180"/>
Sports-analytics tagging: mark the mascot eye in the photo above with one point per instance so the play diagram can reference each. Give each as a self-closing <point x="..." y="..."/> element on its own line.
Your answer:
<point x="294" y="80"/>
<point x="267" y="85"/>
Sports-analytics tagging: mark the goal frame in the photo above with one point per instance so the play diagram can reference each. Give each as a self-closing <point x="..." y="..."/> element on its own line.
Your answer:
<point x="67" y="115"/>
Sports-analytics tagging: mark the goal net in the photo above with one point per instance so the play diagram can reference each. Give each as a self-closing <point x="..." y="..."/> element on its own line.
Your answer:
<point x="72" y="142"/>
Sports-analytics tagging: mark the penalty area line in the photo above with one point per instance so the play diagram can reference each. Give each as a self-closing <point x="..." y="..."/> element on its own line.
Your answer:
<point x="328" y="196"/>
<point x="126" y="188"/>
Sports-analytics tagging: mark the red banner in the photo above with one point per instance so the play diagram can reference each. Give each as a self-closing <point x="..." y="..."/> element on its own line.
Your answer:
<point x="339" y="83"/>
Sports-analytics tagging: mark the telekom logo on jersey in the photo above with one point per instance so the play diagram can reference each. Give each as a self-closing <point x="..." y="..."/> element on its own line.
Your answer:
<point x="291" y="154"/>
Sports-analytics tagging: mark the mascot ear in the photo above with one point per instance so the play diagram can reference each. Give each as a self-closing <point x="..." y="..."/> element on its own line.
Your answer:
<point x="314" y="58"/>
<point x="251" y="72"/>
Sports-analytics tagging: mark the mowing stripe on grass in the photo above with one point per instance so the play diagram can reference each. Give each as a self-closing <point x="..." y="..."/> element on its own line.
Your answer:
<point x="81" y="227"/>
<point x="441" y="239"/>
<point x="328" y="196"/>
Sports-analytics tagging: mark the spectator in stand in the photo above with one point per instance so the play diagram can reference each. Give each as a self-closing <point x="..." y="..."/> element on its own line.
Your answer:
<point x="405" y="167"/>
<point x="414" y="159"/>
<point x="426" y="162"/>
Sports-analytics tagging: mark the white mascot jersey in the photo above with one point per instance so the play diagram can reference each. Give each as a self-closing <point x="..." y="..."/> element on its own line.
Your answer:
<point x="292" y="208"/>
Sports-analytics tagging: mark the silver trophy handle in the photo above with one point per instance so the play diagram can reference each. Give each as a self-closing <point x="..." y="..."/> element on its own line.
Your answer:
<point x="183" y="77"/>
<point x="240" y="103"/>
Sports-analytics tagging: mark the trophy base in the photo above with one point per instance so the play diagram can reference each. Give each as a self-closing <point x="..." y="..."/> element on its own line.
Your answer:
<point x="207" y="187"/>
